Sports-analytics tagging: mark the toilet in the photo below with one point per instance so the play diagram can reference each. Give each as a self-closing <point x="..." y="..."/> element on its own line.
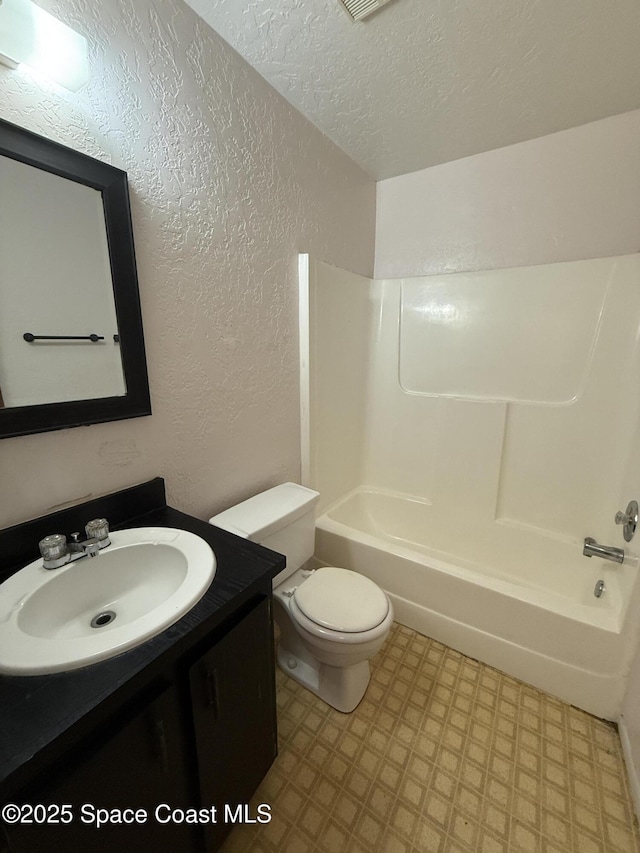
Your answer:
<point x="331" y="620"/>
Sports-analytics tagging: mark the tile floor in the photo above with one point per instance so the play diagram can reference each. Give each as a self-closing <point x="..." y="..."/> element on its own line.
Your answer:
<point x="443" y="755"/>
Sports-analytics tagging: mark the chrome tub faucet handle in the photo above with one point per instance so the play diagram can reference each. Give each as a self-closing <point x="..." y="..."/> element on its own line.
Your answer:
<point x="629" y="520"/>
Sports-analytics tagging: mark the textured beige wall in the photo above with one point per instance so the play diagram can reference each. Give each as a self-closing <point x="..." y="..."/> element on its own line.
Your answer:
<point x="228" y="183"/>
<point x="568" y="196"/>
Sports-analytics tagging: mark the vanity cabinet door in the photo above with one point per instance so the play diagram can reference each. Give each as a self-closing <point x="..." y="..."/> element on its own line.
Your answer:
<point x="138" y="765"/>
<point x="234" y="713"/>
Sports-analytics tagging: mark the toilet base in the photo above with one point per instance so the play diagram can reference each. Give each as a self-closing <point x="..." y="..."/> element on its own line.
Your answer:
<point x="342" y="687"/>
<point x="335" y="668"/>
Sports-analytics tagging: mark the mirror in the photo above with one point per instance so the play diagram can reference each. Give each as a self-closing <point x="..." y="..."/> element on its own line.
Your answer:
<point x="71" y="340"/>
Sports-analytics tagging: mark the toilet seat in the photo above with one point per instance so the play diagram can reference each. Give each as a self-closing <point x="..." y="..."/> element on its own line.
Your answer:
<point x="340" y="600"/>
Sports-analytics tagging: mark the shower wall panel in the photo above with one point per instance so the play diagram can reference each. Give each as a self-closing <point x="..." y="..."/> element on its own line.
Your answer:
<point x="504" y="401"/>
<point x="341" y="309"/>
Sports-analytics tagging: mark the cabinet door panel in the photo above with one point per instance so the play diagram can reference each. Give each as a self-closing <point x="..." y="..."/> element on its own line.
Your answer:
<point x="139" y="766"/>
<point x="233" y="699"/>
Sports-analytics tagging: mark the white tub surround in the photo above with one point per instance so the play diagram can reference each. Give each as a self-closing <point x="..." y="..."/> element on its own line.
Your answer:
<point x="467" y="432"/>
<point x="576" y="647"/>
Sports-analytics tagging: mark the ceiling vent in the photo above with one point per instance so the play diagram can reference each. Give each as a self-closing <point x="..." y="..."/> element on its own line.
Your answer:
<point x="359" y="9"/>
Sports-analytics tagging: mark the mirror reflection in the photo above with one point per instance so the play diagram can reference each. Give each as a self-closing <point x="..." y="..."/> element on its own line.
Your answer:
<point x="55" y="285"/>
<point x="71" y="339"/>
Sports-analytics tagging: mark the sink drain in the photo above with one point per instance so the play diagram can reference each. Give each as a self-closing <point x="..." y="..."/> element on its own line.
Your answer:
<point x="102" y="619"/>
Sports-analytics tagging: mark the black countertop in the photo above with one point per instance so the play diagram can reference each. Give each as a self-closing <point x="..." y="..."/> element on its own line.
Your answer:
<point x="41" y="717"/>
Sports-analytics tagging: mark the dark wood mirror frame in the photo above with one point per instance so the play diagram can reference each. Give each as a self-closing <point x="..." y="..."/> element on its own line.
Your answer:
<point x="22" y="145"/>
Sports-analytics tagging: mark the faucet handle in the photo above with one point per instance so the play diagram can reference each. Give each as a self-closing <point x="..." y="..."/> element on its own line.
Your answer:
<point x="53" y="550"/>
<point x="629" y="519"/>
<point x="98" y="529"/>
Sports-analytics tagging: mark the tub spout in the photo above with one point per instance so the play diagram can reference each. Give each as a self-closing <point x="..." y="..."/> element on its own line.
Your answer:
<point x="606" y="552"/>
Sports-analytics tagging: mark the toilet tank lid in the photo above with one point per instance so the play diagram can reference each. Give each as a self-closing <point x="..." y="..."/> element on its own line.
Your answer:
<point x="263" y="514"/>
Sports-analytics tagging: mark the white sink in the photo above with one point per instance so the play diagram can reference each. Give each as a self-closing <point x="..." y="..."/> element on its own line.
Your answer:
<point x="97" y="607"/>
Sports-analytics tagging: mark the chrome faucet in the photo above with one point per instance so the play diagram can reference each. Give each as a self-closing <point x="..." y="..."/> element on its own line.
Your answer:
<point x="57" y="552"/>
<point x="89" y="548"/>
<point x="606" y="552"/>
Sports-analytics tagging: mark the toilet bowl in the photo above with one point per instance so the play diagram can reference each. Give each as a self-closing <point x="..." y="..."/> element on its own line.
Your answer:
<point x="326" y="640"/>
<point x="331" y="620"/>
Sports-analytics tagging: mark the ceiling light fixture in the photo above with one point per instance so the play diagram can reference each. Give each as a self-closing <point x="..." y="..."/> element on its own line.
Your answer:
<point x="30" y="36"/>
<point x="359" y="9"/>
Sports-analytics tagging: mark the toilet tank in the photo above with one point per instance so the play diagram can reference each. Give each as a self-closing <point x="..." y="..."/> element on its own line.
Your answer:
<point x="282" y="518"/>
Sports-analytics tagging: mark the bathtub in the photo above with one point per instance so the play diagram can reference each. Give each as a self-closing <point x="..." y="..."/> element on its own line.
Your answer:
<point x="513" y="598"/>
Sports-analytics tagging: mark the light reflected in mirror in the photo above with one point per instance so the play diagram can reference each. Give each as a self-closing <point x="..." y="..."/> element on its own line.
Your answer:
<point x="55" y="282"/>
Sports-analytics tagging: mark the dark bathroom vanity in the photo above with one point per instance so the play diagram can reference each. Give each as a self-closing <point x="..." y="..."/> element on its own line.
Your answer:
<point x="170" y="739"/>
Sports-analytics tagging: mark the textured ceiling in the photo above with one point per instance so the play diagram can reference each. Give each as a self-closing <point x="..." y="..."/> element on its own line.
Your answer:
<point x="422" y="82"/>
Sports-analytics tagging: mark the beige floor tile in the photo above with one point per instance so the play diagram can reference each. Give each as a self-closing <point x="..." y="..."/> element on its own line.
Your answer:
<point x="443" y="755"/>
